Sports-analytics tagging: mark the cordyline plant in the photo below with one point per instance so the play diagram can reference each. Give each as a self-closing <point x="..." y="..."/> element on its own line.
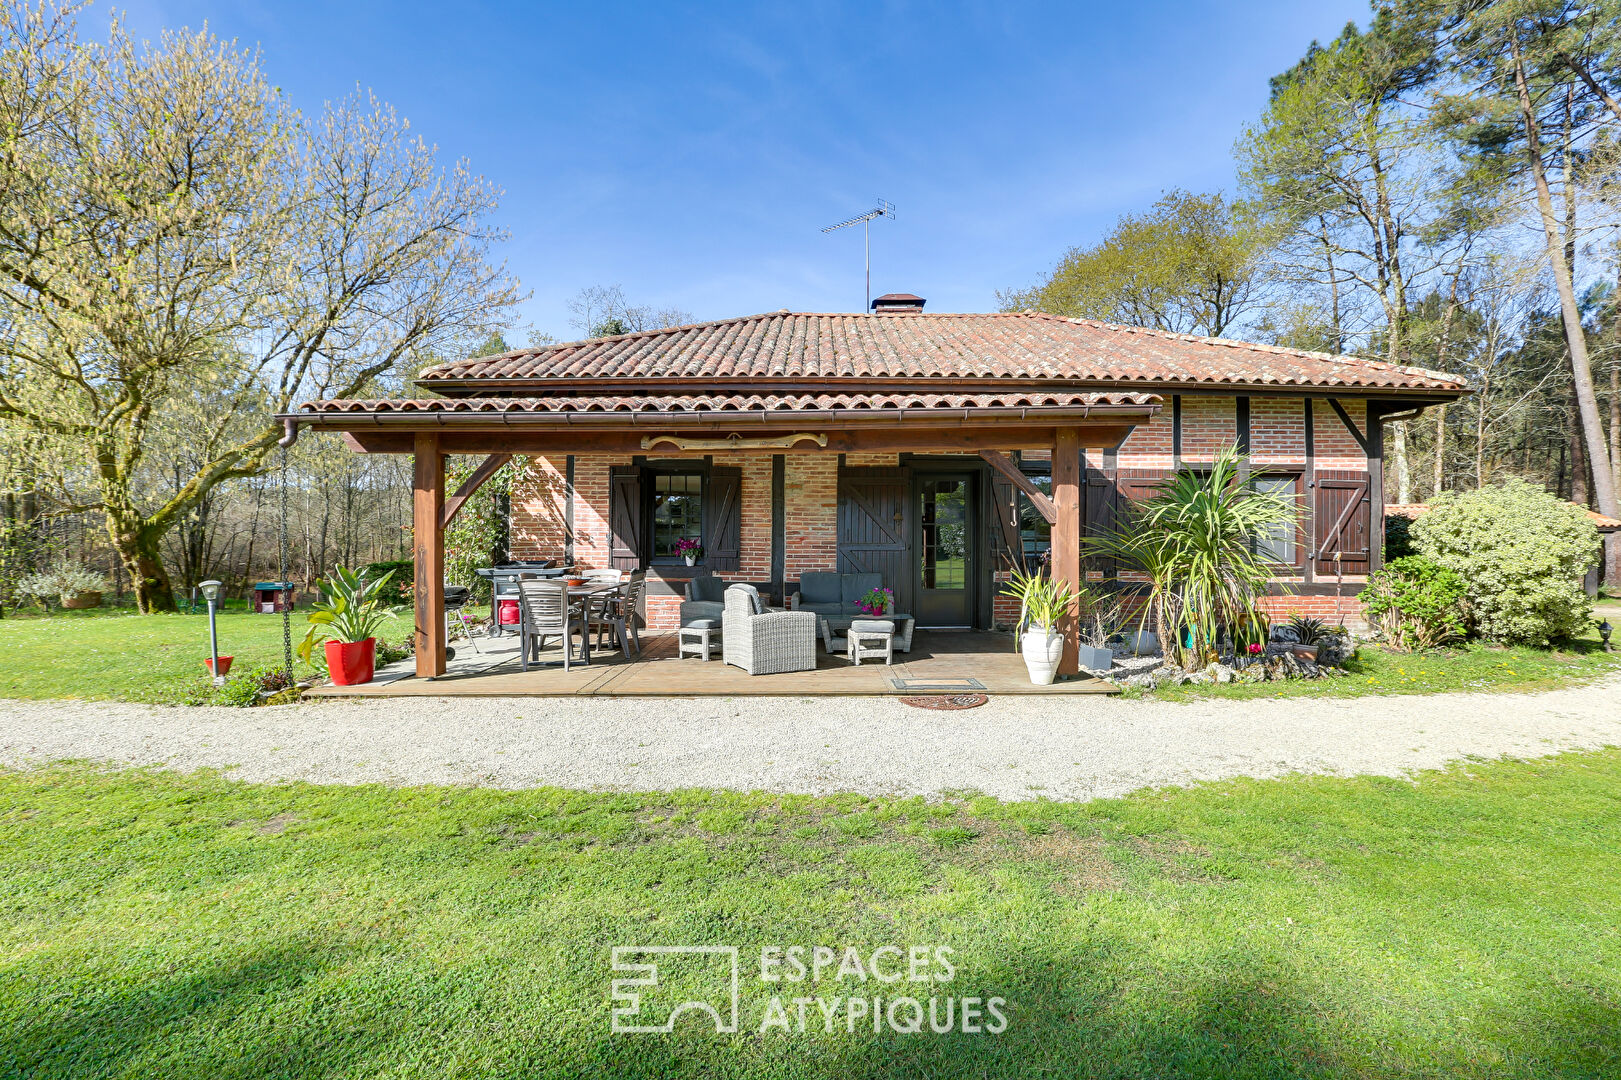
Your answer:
<point x="1194" y="542"/>
<point x="183" y="255"/>
<point x="350" y="609"/>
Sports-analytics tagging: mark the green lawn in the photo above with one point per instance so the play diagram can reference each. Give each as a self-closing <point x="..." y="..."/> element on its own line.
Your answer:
<point x="129" y="657"/>
<point x="1469" y="667"/>
<point x="1462" y="926"/>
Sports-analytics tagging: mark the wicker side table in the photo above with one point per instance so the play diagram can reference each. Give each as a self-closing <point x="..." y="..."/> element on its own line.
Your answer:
<point x="870" y="639"/>
<point x="697" y="637"/>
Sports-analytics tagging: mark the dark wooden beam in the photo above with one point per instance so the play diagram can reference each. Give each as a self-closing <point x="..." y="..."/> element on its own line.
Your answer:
<point x="1309" y="475"/>
<point x="1345" y="418"/>
<point x="428" y="540"/>
<point x="1066" y="540"/>
<point x="779" y="527"/>
<point x="1013" y="474"/>
<point x="1176" y="431"/>
<point x="486" y="469"/>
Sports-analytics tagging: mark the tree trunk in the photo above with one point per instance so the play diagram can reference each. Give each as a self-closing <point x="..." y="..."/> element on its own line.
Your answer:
<point x="1438" y="482"/>
<point x="1404" y="474"/>
<point x="138" y="551"/>
<point x="1587" y="401"/>
<point x="1579" y="492"/>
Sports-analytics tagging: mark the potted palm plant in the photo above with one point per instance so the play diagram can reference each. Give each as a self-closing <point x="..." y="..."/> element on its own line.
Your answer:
<point x="1043" y="602"/>
<point x="345" y="622"/>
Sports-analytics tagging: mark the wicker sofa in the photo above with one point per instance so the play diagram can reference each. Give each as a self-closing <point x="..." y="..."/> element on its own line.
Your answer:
<point x="764" y="642"/>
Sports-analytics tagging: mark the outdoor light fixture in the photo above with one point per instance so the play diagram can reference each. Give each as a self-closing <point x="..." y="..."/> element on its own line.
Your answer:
<point x="1604" y="632"/>
<point x="211" y="593"/>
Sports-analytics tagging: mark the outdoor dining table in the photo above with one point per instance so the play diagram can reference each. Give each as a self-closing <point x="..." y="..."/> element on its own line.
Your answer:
<point x="581" y="594"/>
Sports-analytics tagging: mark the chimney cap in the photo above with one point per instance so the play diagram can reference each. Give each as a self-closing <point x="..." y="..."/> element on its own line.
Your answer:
<point x="898" y="302"/>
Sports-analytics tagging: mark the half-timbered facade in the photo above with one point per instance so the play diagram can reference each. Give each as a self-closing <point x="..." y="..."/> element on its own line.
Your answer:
<point x="940" y="450"/>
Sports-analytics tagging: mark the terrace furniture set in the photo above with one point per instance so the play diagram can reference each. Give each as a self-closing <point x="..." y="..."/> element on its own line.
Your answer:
<point x="599" y="602"/>
<point x="762" y="640"/>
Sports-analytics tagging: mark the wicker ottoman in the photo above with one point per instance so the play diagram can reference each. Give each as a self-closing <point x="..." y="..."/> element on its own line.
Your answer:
<point x="871" y="638"/>
<point x="696" y="637"/>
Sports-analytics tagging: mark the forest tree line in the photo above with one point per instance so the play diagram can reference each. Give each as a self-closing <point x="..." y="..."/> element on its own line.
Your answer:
<point x="1439" y="188"/>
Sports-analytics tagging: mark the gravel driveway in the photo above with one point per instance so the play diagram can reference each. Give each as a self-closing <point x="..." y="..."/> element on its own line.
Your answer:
<point x="1013" y="748"/>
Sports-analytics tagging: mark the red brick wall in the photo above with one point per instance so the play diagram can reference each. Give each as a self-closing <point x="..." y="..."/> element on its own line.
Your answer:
<point x="1335" y="447"/>
<point x="1209" y="425"/>
<point x="539" y="503"/>
<point x="811" y="503"/>
<point x="1149" y="445"/>
<point x="1277" y="430"/>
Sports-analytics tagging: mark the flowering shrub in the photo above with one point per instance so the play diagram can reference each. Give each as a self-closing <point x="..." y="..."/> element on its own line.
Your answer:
<point x="876" y="601"/>
<point x="687" y="546"/>
<point x="1415" y="603"/>
<point x="1521" y="553"/>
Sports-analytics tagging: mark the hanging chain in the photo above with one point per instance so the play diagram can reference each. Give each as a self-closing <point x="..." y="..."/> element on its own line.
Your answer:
<point x="281" y="579"/>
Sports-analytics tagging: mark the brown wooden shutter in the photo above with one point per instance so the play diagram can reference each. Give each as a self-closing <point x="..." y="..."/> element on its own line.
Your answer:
<point x="1007" y="546"/>
<point x="1100" y="510"/>
<point x="723" y="522"/>
<point x="1344" y="514"/>
<point x="625" y="518"/>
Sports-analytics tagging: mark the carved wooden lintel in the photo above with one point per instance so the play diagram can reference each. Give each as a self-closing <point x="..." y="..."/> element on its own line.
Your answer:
<point x="734" y="441"/>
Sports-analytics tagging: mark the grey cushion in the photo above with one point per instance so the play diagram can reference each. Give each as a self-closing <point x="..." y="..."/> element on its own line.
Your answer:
<point x="756" y="603"/>
<point x="852" y="587"/>
<point x="701" y="609"/>
<point x="872" y="626"/>
<point x="707" y="589"/>
<point x="834" y="610"/>
<point x="820" y="587"/>
<point x="701" y="624"/>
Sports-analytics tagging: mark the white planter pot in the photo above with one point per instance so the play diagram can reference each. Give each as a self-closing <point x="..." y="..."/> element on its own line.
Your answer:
<point x="691" y="560"/>
<point x="1042" y="650"/>
<point x="1096" y="659"/>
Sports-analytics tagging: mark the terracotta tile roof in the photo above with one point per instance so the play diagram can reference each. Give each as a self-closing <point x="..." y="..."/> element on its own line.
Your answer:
<point x="707" y="403"/>
<point x="1023" y="345"/>
<point x="1414" y="510"/>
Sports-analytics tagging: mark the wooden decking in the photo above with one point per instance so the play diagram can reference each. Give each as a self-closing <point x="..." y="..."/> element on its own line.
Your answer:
<point x="940" y="662"/>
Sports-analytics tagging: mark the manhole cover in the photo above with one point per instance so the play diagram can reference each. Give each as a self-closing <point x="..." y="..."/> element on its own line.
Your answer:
<point x="946" y="701"/>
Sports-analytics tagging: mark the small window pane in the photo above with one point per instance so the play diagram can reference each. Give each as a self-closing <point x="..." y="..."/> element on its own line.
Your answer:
<point x="677" y="512"/>
<point x="1278" y="542"/>
<point x="1035" y="531"/>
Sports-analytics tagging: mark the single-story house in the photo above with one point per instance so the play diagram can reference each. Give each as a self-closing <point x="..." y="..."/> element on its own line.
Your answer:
<point x="936" y="449"/>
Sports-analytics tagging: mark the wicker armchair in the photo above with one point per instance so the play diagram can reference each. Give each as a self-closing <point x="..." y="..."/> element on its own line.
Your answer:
<point x="765" y="642"/>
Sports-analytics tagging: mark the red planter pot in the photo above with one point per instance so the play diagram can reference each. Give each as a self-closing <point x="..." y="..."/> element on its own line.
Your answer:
<point x="351" y="663"/>
<point x="225" y="665"/>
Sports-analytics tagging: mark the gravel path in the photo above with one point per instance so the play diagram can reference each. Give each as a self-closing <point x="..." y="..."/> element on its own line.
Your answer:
<point x="1013" y="748"/>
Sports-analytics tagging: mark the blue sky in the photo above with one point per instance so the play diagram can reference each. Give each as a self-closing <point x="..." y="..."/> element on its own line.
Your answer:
<point x="692" y="153"/>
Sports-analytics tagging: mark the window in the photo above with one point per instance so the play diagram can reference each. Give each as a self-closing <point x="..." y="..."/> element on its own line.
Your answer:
<point x="678" y="512"/>
<point x="1278" y="543"/>
<point x="1035" y="531"/>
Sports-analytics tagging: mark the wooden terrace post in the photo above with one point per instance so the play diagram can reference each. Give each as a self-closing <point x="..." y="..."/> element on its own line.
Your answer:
<point x="428" y="536"/>
<point x="1066" y="542"/>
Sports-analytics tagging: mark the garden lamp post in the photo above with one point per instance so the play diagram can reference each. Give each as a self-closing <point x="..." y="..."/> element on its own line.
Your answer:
<point x="211" y="593"/>
<point x="1604" y="632"/>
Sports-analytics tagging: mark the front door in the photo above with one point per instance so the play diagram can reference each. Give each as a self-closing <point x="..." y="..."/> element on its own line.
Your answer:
<point x="943" y="578"/>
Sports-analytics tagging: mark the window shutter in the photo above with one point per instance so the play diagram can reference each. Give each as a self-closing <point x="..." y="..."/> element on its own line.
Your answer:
<point x="1006" y="542"/>
<point x="723" y="523"/>
<point x="625" y="518"/>
<point x="1102" y="504"/>
<point x="1344" y="515"/>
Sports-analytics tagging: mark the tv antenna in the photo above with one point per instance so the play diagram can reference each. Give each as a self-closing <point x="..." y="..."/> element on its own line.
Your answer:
<point x="885" y="208"/>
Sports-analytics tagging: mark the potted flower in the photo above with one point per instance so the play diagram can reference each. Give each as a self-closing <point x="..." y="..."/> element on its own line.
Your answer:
<point x="689" y="550"/>
<point x="345" y="621"/>
<point x="877" y="602"/>
<point x="1043" y="602"/>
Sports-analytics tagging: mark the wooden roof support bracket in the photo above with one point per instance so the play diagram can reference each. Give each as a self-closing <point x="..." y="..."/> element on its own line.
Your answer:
<point x="486" y="469"/>
<point x="1345" y="418"/>
<point x="1002" y="463"/>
